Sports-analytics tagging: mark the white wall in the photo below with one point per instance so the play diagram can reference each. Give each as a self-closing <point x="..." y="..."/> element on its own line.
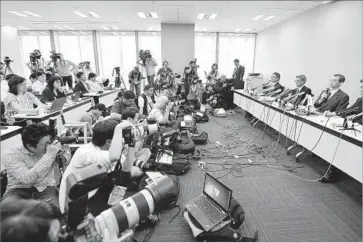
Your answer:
<point x="318" y="43"/>
<point x="177" y="45"/>
<point x="10" y="47"/>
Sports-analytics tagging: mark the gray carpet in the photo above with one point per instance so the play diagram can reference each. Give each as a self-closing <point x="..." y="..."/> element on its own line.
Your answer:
<point x="282" y="207"/>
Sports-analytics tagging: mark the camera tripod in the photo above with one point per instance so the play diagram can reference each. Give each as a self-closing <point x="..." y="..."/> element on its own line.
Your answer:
<point x="118" y="79"/>
<point x="7" y="69"/>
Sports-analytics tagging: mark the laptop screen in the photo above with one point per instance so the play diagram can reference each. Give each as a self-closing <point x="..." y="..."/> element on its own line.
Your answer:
<point x="217" y="191"/>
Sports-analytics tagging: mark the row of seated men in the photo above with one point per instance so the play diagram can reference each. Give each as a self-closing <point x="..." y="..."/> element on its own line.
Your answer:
<point x="31" y="165"/>
<point x="331" y="101"/>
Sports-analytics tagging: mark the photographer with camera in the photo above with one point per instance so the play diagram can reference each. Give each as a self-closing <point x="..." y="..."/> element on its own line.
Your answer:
<point x="135" y="77"/>
<point x="160" y="112"/>
<point x="36" y="62"/>
<point x="95" y="86"/>
<point x="150" y="65"/>
<point x="166" y="81"/>
<point x="146" y="101"/>
<point x="64" y="68"/>
<point x="125" y="101"/>
<point x="224" y="89"/>
<point x="105" y="148"/>
<point x="209" y="98"/>
<point x="30" y="166"/>
<point x="213" y="75"/>
<point x="195" y="93"/>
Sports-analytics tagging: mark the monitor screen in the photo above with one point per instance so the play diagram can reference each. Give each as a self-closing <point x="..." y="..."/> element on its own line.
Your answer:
<point x="218" y="192"/>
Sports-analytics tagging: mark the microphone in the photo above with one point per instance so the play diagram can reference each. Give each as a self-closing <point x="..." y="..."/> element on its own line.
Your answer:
<point x="287" y="91"/>
<point x="323" y="99"/>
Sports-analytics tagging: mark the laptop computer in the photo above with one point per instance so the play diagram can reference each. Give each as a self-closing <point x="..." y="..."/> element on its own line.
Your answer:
<point x="211" y="208"/>
<point x="58" y="104"/>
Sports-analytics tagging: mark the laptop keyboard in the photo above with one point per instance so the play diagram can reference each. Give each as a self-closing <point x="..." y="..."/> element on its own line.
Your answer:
<point x="213" y="213"/>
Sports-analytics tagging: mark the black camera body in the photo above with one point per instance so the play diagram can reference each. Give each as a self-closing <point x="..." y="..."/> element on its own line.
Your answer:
<point x="117" y="69"/>
<point x="128" y="136"/>
<point x="55" y="56"/>
<point x="7" y="60"/>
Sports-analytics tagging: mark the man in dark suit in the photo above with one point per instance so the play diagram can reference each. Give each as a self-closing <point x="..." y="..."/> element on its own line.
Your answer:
<point x="301" y="89"/>
<point x="333" y="98"/>
<point x="82" y="84"/>
<point x="273" y="87"/>
<point x="238" y="73"/>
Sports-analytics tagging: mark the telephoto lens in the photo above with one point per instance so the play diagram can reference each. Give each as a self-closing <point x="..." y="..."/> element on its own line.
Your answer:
<point x="128" y="213"/>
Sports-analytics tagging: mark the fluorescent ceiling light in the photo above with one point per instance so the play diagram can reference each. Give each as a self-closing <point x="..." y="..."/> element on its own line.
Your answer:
<point x="141" y="15"/>
<point x="19" y="14"/>
<point x="80" y="14"/>
<point x="73" y="32"/>
<point x="325" y="2"/>
<point x="114" y="33"/>
<point x="154" y="15"/>
<point x="67" y="27"/>
<point x="270" y="17"/>
<point x="21" y="27"/>
<point x="60" y="28"/>
<point x="150" y="28"/>
<point x="257" y="17"/>
<point x="93" y="14"/>
<point x="201" y="16"/>
<point x="123" y="33"/>
<point x="32" y="14"/>
<point x="115" y="28"/>
<point x="236" y="30"/>
<point x="213" y="16"/>
<point x="105" y="28"/>
<point x="246" y="30"/>
<point x="204" y="29"/>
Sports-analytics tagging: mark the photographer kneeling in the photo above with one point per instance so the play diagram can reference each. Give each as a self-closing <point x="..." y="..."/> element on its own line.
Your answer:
<point x="105" y="148"/>
<point x="224" y="88"/>
<point x="161" y="111"/>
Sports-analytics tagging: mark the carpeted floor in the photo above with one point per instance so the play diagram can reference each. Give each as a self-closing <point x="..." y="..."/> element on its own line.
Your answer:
<point x="277" y="203"/>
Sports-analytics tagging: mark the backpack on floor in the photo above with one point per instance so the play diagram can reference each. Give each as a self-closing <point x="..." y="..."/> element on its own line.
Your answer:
<point x="201" y="117"/>
<point x="200" y="138"/>
<point x="184" y="143"/>
<point x="180" y="166"/>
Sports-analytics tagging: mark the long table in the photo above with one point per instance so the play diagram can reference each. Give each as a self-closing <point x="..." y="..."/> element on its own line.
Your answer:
<point x="308" y="130"/>
<point x="107" y="97"/>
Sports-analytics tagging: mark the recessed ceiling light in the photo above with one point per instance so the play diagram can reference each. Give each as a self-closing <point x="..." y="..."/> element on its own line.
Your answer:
<point x="60" y="28"/>
<point x="114" y="33"/>
<point x="325" y="2"/>
<point x="105" y="28"/>
<point x="258" y="17"/>
<point x="93" y="14"/>
<point x="141" y="15"/>
<point x="21" y="27"/>
<point x="67" y="27"/>
<point x="270" y="17"/>
<point x="32" y="14"/>
<point x="19" y="14"/>
<point x="213" y="16"/>
<point x="201" y="16"/>
<point x="115" y="28"/>
<point x="236" y="30"/>
<point x="80" y="14"/>
<point x="154" y="15"/>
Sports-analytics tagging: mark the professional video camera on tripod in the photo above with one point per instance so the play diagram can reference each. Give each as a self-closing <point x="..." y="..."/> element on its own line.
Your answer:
<point x="118" y="79"/>
<point x="54" y="56"/>
<point x="5" y="67"/>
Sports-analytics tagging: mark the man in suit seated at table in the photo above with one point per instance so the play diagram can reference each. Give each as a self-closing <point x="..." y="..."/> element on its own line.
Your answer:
<point x="333" y="98"/>
<point x="300" y="92"/>
<point x="82" y="85"/>
<point x="351" y="112"/>
<point x="274" y="87"/>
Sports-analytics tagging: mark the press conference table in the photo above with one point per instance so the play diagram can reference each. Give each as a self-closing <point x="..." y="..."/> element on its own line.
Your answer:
<point x="306" y="131"/>
<point x="107" y="97"/>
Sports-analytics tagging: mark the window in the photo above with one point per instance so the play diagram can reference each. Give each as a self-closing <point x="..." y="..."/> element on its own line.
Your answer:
<point x="232" y="46"/>
<point x="151" y="41"/>
<point x="205" y="52"/>
<point x="75" y="46"/>
<point x="117" y="49"/>
<point x="32" y="40"/>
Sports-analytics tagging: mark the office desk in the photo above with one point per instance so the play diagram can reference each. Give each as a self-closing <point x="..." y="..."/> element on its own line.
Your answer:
<point x="11" y="131"/>
<point x="71" y="112"/>
<point x="306" y="131"/>
<point x="107" y="97"/>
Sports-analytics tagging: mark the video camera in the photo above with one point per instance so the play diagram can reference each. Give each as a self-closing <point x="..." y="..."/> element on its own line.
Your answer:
<point x="117" y="70"/>
<point x="55" y="56"/>
<point x="34" y="56"/>
<point x="143" y="55"/>
<point x="117" y="220"/>
<point x="7" y="60"/>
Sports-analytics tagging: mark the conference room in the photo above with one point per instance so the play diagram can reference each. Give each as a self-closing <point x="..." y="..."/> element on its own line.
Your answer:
<point x="181" y="121"/>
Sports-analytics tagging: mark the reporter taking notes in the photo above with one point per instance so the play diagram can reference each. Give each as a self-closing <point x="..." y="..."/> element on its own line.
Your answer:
<point x="54" y="90"/>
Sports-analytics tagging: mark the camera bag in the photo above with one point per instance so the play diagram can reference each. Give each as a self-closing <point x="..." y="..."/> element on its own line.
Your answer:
<point x="180" y="166"/>
<point x="201" y="138"/>
<point x="201" y="117"/>
<point x="184" y="144"/>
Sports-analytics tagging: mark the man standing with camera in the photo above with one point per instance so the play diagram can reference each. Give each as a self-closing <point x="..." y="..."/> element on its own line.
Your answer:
<point x="150" y="65"/>
<point x="36" y="62"/>
<point x="64" y="68"/>
<point x="30" y="166"/>
<point x="135" y="80"/>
